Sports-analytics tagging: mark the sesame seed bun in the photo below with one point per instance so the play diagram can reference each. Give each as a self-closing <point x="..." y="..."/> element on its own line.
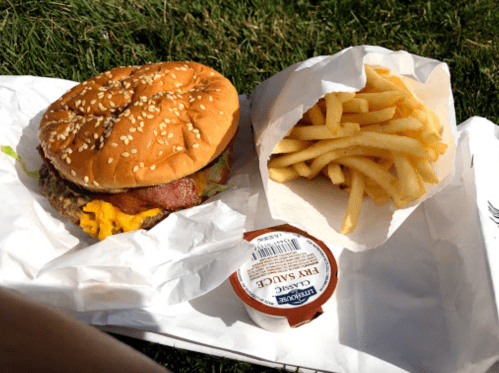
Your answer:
<point x="140" y="126"/>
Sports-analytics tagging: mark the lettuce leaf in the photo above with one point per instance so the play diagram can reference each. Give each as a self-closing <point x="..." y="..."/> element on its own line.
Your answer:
<point x="8" y="150"/>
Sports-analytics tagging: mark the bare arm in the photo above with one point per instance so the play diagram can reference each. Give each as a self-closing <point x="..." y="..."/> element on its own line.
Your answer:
<point x="36" y="338"/>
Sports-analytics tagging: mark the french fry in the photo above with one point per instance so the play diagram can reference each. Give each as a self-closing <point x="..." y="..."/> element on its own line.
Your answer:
<point x="379" y="100"/>
<point x="375" y="80"/>
<point x="411" y="187"/>
<point x="371" y="117"/>
<point x="425" y="170"/>
<point x="335" y="173"/>
<point x="439" y="147"/>
<point x="322" y="132"/>
<point x="369" y="168"/>
<point x="334" y="112"/>
<point x="354" y="207"/>
<point x="378" y="143"/>
<point x="302" y="169"/>
<point x="376" y="193"/>
<point x="356" y="105"/>
<point x="321" y="161"/>
<point x="368" y="139"/>
<point x="395" y="125"/>
<point x="345" y="96"/>
<point x="283" y="174"/>
<point x="315" y="115"/>
<point x="290" y="146"/>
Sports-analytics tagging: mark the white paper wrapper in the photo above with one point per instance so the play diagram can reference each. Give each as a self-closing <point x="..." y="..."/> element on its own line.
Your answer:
<point x="317" y="206"/>
<point x="51" y="260"/>
<point x="425" y="301"/>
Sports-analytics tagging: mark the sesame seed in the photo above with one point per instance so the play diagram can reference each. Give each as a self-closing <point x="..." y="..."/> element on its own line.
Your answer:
<point x="221" y="113"/>
<point x="141" y="124"/>
<point x="100" y="95"/>
<point x="152" y="167"/>
<point x="140" y="129"/>
<point x="96" y="183"/>
<point x="195" y="145"/>
<point x="93" y="102"/>
<point x="160" y="153"/>
<point x="150" y="116"/>
<point x="125" y="154"/>
<point x="202" y="107"/>
<point x="68" y="160"/>
<point x="141" y="165"/>
<point x="133" y="151"/>
<point x="198" y="136"/>
<point x="179" y="148"/>
<point x="132" y="129"/>
<point x="166" y="120"/>
<point x="96" y="136"/>
<point x="114" y="145"/>
<point x="161" y="142"/>
<point x="174" y="76"/>
<point x="135" y="168"/>
<point x="110" y="160"/>
<point x="210" y="98"/>
<point x="73" y="172"/>
<point x="85" y="179"/>
<point x="163" y="133"/>
<point x="212" y="73"/>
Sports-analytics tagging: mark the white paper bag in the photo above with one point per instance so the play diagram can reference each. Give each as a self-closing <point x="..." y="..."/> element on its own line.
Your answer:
<point x="317" y="206"/>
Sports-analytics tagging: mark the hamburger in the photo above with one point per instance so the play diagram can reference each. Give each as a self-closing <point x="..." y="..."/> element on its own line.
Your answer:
<point x="126" y="148"/>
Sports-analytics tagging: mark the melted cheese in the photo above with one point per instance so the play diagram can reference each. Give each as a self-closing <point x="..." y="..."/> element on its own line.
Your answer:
<point x="102" y="219"/>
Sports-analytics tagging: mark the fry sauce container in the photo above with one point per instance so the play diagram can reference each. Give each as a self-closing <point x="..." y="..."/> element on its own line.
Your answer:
<point x="289" y="277"/>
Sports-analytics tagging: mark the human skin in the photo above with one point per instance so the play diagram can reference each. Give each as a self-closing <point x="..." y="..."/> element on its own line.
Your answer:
<point x="37" y="338"/>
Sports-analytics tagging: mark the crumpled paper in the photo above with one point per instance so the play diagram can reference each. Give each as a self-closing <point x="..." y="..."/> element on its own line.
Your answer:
<point x="424" y="301"/>
<point x="317" y="206"/>
<point x="51" y="260"/>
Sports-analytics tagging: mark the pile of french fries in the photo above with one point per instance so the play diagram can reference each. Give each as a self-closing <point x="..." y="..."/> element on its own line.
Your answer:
<point x="378" y="142"/>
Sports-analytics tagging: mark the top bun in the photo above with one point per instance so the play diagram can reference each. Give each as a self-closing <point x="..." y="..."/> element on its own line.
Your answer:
<point x="140" y="125"/>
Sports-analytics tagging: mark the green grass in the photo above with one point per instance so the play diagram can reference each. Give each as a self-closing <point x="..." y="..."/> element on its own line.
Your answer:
<point x="248" y="41"/>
